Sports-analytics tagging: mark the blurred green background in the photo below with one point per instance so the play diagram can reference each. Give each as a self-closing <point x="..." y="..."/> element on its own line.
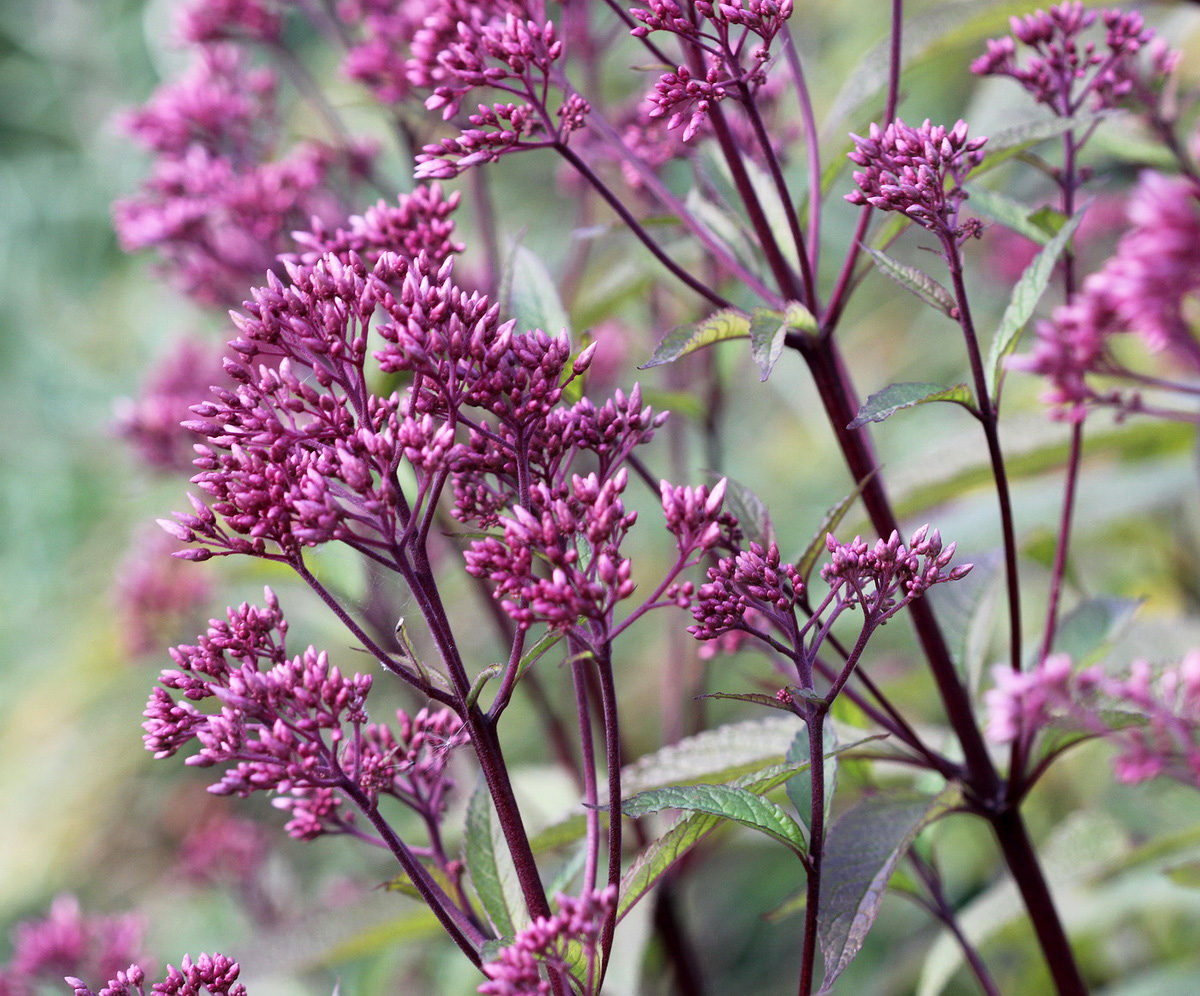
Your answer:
<point x="86" y="810"/>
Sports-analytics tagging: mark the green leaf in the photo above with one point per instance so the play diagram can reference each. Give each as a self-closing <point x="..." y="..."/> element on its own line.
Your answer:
<point x="861" y="852"/>
<point x="1092" y="626"/>
<point x="915" y="281"/>
<point x="769" y="329"/>
<point x="750" y="510"/>
<point x="799" y="786"/>
<point x="892" y="398"/>
<point x="726" y="801"/>
<point x="833" y="517"/>
<point x="1025" y="296"/>
<point x="530" y="295"/>
<point x="659" y="855"/>
<point x="758" y="698"/>
<point x="490" y="867"/>
<point x="717" y="327"/>
<point x="1186" y="875"/>
<point x="1009" y="213"/>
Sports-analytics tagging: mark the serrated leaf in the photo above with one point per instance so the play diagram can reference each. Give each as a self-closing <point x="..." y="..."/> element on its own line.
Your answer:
<point x="659" y="855"/>
<point x="1010" y="213"/>
<point x="751" y="511"/>
<point x="1091" y="627"/>
<point x="490" y="866"/>
<point x="808" y="560"/>
<point x="717" y="327"/>
<point x="1025" y="297"/>
<point x="769" y="329"/>
<point x="915" y="281"/>
<point x="1009" y="142"/>
<point x="530" y="295"/>
<point x="894" y="397"/>
<point x="861" y="852"/>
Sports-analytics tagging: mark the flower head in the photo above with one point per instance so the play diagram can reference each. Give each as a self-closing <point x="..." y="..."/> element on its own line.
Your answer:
<point x="918" y="171"/>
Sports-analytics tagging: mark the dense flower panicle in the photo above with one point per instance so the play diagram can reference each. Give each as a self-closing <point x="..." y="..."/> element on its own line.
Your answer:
<point x="221" y="198"/>
<point x="208" y="975"/>
<point x="294" y="726"/>
<point x="879" y="579"/>
<point x="764" y="18"/>
<point x="918" y="171"/>
<point x="1149" y="286"/>
<point x="421" y="222"/>
<point x="495" y="130"/>
<point x="203" y="21"/>
<point x="544" y="944"/>
<point x="562" y="564"/>
<point x="151" y="422"/>
<point x="1152" y="719"/>
<point x="1066" y="73"/>
<point x="66" y="941"/>
<point x="751" y="581"/>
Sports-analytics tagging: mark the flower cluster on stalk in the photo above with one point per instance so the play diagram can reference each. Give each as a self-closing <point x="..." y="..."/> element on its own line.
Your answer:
<point x="520" y="968"/>
<point x="1149" y="286"/>
<point x="207" y="975"/>
<point x="1151" y="716"/>
<point x="918" y="171"/>
<point x="1066" y="73"/>
<point x="296" y="727"/>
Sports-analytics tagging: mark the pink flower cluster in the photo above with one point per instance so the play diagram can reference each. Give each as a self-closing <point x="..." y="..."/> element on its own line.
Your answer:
<point x="1153" y="719"/>
<point x="294" y="726"/>
<point x="752" y="580"/>
<point x="1066" y="75"/>
<point x="66" y="942"/>
<point x="918" y="171"/>
<point x="1146" y="287"/>
<point x="520" y="968"/>
<point x="214" y="975"/>
<point x="220" y="202"/>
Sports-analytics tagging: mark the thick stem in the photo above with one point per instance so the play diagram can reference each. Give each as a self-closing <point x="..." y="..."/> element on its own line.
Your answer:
<point x="816" y="845"/>
<point x="612" y="750"/>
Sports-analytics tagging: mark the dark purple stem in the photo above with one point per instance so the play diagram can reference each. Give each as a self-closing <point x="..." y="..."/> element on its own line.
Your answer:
<point x="815" y="721"/>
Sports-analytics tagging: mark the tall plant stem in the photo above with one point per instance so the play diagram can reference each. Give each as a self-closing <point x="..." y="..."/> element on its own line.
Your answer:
<point x="816" y="844"/>
<point x="988" y="419"/>
<point x="982" y="781"/>
<point x="1059" y="569"/>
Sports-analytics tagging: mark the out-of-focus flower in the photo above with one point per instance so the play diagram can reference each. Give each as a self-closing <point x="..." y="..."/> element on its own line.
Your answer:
<point x="214" y="975"/>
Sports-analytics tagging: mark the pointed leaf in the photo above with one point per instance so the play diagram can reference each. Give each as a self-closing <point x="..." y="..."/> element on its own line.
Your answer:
<point x="861" y="853"/>
<point x="892" y="398"/>
<point x="1010" y="213"/>
<point x="1025" y="297"/>
<point x="915" y="281"/>
<point x="726" y="801"/>
<point x="769" y="329"/>
<point x="490" y="866"/>
<point x="717" y="327"/>
<point x="758" y="698"/>
<point x="833" y="517"/>
<point x="659" y="855"/>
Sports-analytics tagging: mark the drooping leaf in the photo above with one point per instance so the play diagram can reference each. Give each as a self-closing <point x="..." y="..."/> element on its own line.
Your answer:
<point x="894" y="397"/>
<point x="915" y="281"/>
<point x="1010" y="213"/>
<point x="1025" y="297"/>
<point x="726" y="801"/>
<point x="1091" y="627"/>
<point x="769" y="329"/>
<point x="717" y="327"/>
<point x="530" y="295"/>
<point x="725" y="226"/>
<point x="861" y="852"/>
<point x="749" y="509"/>
<point x="490" y="866"/>
<point x="808" y="560"/>
<point x="659" y="855"/>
